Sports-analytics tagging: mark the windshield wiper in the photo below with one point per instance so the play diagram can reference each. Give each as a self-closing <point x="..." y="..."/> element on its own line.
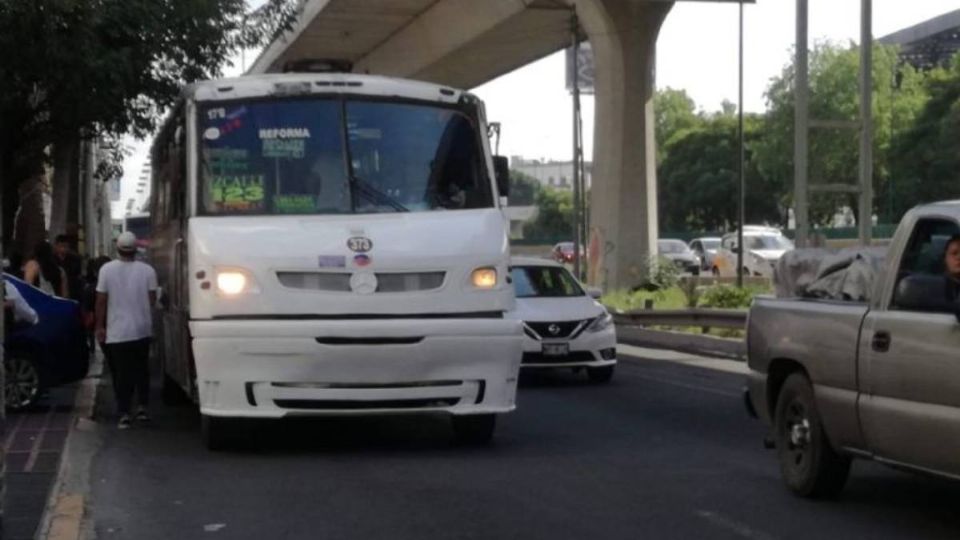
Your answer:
<point x="373" y="194"/>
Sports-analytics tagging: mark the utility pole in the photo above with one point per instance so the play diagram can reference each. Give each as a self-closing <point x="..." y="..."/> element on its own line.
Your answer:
<point x="865" y="214"/>
<point x="801" y="90"/>
<point x="577" y="194"/>
<point x="741" y="192"/>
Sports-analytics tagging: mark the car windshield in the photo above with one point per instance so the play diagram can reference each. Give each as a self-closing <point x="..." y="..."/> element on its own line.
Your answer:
<point x="544" y="281"/>
<point x="710" y="243"/>
<point x="671" y="246"/>
<point x="776" y="242"/>
<point x="332" y="156"/>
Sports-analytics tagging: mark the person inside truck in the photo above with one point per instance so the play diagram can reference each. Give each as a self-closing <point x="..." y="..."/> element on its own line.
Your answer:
<point x="951" y="266"/>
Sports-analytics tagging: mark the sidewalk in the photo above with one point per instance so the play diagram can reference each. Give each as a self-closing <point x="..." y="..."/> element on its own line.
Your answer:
<point x="34" y="444"/>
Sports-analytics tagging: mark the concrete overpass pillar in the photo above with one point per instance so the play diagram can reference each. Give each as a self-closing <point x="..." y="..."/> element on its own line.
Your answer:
<point x="623" y="213"/>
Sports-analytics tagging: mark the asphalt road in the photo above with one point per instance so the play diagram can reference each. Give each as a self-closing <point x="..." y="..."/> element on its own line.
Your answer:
<point x="664" y="451"/>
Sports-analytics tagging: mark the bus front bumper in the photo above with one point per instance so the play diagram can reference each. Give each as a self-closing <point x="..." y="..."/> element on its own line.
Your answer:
<point x="277" y="368"/>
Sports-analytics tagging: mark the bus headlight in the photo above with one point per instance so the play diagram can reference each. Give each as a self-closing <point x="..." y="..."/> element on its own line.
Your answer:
<point x="233" y="281"/>
<point x="484" y="278"/>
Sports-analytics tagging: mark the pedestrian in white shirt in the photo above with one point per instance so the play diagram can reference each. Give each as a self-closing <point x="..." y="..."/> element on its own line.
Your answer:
<point x="126" y="291"/>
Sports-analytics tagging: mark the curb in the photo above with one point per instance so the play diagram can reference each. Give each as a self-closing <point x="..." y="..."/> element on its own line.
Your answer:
<point x="63" y="517"/>
<point x="731" y="349"/>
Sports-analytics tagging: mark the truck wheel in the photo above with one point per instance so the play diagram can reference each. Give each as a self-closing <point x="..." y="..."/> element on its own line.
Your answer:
<point x="219" y="433"/>
<point x="715" y="271"/>
<point x="600" y="374"/>
<point x="809" y="465"/>
<point x="473" y="429"/>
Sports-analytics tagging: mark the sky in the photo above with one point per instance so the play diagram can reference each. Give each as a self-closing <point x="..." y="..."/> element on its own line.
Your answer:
<point x="696" y="52"/>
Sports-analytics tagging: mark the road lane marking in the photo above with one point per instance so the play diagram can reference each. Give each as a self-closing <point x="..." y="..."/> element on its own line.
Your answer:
<point x="731" y="525"/>
<point x="688" y="386"/>
<point x="659" y="355"/>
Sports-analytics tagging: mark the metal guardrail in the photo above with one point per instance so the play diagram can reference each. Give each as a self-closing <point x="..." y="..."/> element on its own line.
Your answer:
<point x="706" y="318"/>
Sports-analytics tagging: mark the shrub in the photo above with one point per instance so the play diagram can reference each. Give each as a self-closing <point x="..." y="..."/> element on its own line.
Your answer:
<point x="727" y="297"/>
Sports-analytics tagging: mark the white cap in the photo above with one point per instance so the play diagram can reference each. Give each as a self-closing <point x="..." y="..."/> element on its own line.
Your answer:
<point x="127" y="242"/>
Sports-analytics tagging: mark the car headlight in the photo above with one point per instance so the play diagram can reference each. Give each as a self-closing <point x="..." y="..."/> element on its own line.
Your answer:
<point x="484" y="278"/>
<point x="601" y="323"/>
<point x="234" y="281"/>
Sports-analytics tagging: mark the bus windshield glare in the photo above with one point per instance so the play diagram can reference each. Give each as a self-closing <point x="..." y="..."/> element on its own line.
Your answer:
<point x="334" y="156"/>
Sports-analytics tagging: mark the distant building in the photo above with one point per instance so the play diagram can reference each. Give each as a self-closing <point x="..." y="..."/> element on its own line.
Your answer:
<point x="138" y="204"/>
<point x="930" y="43"/>
<point x="555" y="174"/>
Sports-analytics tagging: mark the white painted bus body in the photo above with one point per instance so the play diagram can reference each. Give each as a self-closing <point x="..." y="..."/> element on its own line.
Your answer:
<point x="339" y="314"/>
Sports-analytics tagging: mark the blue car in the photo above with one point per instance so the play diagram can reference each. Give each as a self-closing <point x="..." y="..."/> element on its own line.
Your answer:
<point x="52" y="352"/>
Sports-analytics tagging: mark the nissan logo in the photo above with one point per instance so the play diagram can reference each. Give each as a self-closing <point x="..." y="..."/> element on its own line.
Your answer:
<point x="553" y="329"/>
<point x="359" y="244"/>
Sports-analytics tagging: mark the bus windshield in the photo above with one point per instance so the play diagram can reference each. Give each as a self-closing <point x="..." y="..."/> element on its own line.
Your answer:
<point x="336" y="156"/>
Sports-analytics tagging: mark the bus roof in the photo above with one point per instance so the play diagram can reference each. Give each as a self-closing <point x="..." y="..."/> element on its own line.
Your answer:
<point x="292" y="84"/>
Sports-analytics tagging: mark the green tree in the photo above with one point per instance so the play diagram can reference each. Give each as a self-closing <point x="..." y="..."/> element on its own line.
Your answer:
<point x="699" y="178"/>
<point x="523" y="188"/>
<point x="675" y="112"/>
<point x="898" y="96"/>
<point x="925" y="159"/>
<point x="87" y="68"/>
<point x="554" y="219"/>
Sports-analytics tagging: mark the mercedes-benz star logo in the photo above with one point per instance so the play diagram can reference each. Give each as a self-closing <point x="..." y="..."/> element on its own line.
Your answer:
<point x="363" y="283"/>
<point x="553" y="329"/>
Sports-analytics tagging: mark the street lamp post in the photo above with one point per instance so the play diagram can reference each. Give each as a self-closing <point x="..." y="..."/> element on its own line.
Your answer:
<point x="741" y="191"/>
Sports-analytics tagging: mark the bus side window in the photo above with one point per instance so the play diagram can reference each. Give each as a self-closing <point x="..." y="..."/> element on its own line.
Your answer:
<point x="177" y="173"/>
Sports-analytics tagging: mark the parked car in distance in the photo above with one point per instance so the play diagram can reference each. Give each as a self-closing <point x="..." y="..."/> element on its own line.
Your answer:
<point x="836" y="379"/>
<point x="764" y="247"/>
<point x="563" y="252"/>
<point x="705" y="248"/>
<point x="679" y="254"/>
<point x="563" y="324"/>
<point x="50" y="353"/>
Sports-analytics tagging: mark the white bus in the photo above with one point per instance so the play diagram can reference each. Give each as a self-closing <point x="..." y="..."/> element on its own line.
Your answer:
<point x="332" y="244"/>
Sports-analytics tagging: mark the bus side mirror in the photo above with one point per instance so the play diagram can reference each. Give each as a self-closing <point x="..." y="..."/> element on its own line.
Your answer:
<point x="501" y="168"/>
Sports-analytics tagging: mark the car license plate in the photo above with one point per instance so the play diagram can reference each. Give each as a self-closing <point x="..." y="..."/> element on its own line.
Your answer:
<point x="556" y="349"/>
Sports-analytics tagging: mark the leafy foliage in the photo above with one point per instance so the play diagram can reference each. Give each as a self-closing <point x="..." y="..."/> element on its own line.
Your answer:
<point x="554" y="215"/>
<point x="898" y="96"/>
<point x="523" y="188"/>
<point x="699" y="178"/>
<point x="95" y="68"/>
<point x="727" y="297"/>
<point x="925" y="158"/>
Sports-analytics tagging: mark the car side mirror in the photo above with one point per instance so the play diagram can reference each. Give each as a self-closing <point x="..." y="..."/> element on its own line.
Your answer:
<point x="501" y="169"/>
<point x="924" y="292"/>
<point x="594" y="292"/>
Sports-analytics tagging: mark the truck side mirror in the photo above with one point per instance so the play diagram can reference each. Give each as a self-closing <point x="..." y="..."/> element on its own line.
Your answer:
<point x="501" y="168"/>
<point x="924" y="292"/>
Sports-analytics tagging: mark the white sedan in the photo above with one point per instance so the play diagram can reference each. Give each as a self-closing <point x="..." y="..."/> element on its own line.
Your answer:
<point x="564" y="325"/>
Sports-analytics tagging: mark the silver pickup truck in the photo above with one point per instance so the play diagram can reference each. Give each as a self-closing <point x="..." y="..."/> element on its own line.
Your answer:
<point x="880" y="380"/>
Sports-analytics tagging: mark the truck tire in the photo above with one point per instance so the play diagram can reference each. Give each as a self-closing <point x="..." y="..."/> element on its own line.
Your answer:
<point x="219" y="433"/>
<point x="473" y="429"/>
<point x="809" y="465"/>
<point x="600" y="375"/>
